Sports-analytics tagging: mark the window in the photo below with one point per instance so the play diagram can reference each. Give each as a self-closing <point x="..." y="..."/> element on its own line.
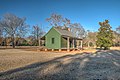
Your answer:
<point x="53" y="40"/>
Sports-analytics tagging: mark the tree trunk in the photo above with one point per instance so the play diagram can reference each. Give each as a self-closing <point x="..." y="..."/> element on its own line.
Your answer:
<point x="5" y="42"/>
<point x="13" y="41"/>
<point x="106" y="48"/>
<point x="39" y="42"/>
<point x="100" y="47"/>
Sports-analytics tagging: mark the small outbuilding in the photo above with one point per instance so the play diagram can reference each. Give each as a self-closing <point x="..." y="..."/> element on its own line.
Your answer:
<point x="61" y="38"/>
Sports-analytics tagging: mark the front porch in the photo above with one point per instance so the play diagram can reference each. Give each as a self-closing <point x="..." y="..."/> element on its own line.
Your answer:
<point x="71" y="43"/>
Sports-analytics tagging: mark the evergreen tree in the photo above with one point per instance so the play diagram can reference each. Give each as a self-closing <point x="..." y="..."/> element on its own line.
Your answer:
<point x="105" y="35"/>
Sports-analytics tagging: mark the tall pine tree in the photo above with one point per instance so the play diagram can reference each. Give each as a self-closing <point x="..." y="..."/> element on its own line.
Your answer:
<point x="105" y="35"/>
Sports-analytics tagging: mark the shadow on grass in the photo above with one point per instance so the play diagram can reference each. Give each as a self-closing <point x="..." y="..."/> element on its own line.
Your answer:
<point x="101" y="65"/>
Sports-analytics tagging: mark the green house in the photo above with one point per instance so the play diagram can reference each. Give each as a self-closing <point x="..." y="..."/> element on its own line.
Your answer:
<point x="60" y="38"/>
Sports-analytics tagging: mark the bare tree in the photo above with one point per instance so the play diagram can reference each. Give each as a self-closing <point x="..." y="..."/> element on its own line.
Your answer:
<point x="77" y="30"/>
<point x="55" y="19"/>
<point x="118" y="30"/>
<point x="58" y="20"/>
<point x="13" y="26"/>
<point x="90" y="39"/>
<point x="1" y="31"/>
<point x="117" y="36"/>
<point x="1" y="35"/>
<point x="37" y="33"/>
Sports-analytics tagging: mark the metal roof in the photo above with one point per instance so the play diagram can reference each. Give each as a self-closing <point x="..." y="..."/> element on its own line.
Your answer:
<point x="64" y="32"/>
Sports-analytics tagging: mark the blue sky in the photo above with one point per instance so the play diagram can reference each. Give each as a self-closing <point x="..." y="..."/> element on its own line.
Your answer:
<point x="86" y="12"/>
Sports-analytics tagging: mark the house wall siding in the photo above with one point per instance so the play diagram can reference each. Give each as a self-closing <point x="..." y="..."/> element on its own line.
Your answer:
<point x="63" y="42"/>
<point x="57" y="39"/>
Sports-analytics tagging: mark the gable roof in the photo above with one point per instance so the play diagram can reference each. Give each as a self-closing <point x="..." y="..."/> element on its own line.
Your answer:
<point x="64" y="32"/>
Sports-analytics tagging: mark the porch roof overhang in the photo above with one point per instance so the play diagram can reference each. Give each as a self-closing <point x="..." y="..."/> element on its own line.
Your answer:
<point x="65" y="36"/>
<point x="42" y="38"/>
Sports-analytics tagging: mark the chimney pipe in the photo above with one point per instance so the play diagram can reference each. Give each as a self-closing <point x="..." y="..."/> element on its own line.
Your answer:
<point x="68" y="29"/>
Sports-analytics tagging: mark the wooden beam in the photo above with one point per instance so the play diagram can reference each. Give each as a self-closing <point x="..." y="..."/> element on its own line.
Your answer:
<point x="68" y="43"/>
<point x="59" y="49"/>
<point x="73" y="43"/>
<point x="81" y="44"/>
<point x="39" y="41"/>
<point x="52" y="49"/>
<point x="45" y="49"/>
<point x="77" y="44"/>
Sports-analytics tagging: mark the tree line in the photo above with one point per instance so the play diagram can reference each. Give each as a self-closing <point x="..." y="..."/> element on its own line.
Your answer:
<point x="13" y="31"/>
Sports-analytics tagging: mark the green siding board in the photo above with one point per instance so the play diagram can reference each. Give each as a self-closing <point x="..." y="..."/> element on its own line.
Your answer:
<point x="57" y="39"/>
<point x="63" y="43"/>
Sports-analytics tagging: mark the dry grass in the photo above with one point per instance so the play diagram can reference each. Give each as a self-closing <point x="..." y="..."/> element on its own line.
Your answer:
<point x="115" y="48"/>
<point x="14" y="58"/>
<point x="17" y="64"/>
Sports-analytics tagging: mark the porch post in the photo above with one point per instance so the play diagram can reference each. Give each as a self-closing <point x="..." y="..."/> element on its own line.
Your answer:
<point x="73" y="44"/>
<point x="39" y="41"/>
<point x="77" y="43"/>
<point x="81" y="44"/>
<point x="68" y="44"/>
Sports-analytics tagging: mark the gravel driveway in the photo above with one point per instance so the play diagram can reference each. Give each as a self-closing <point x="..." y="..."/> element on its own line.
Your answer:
<point x="102" y="65"/>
